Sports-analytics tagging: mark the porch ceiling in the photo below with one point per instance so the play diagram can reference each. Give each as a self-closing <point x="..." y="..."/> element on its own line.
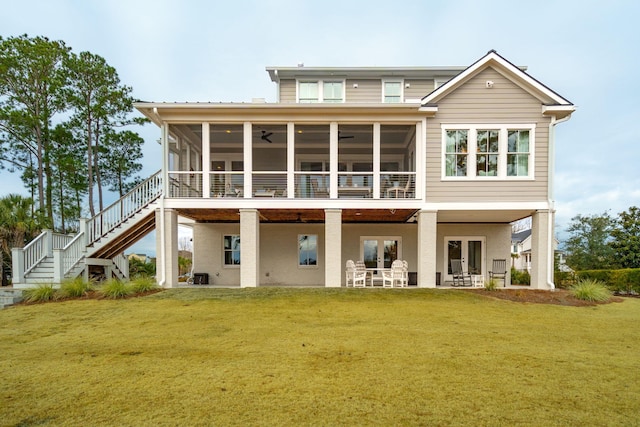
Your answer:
<point x="482" y="216"/>
<point x="300" y="215"/>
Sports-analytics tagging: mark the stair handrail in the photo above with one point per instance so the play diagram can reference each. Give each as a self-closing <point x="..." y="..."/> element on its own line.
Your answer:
<point x="124" y="208"/>
<point x="72" y="253"/>
<point x="34" y="252"/>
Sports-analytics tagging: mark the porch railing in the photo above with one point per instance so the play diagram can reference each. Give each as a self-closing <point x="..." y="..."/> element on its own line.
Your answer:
<point x="307" y="185"/>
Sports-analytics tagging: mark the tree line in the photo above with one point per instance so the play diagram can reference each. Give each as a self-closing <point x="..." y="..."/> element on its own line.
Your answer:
<point x="598" y="242"/>
<point x="64" y="120"/>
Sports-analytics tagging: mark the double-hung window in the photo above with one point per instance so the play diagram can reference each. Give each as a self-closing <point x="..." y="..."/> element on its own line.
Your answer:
<point x="487" y="152"/>
<point x="231" y="250"/>
<point x="456" y="152"/>
<point x="308" y="92"/>
<point x="392" y="91"/>
<point x="502" y="151"/>
<point x="320" y="91"/>
<point x="307" y="250"/>
<point x="518" y="153"/>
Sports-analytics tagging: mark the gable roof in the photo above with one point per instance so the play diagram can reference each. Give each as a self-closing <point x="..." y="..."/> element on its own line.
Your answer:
<point x="517" y="73"/>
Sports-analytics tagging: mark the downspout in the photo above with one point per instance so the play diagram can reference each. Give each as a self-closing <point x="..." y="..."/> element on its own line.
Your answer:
<point x="165" y="186"/>
<point x="550" y="200"/>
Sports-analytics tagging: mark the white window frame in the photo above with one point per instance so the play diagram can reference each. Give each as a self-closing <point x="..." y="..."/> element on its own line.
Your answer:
<point x="472" y="149"/>
<point x="224" y="264"/>
<point x="306" y="266"/>
<point x="321" y="89"/>
<point x="384" y="86"/>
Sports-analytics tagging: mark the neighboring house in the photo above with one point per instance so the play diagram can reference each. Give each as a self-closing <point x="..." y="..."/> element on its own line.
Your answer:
<point x="425" y="164"/>
<point x="521" y="252"/>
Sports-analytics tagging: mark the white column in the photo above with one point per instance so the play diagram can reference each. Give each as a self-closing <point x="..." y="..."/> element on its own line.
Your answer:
<point x="420" y="158"/>
<point x="248" y="160"/>
<point x="376" y="160"/>
<point x="291" y="160"/>
<point x="427" y="245"/>
<point x="332" y="248"/>
<point x="167" y="266"/>
<point x="249" y="248"/>
<point x="542" y="250"/>
<point x="206" y="161"/>
<point x="333" y="160"/>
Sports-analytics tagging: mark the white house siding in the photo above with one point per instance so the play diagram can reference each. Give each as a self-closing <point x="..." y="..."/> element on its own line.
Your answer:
<point x="473" y="103"/>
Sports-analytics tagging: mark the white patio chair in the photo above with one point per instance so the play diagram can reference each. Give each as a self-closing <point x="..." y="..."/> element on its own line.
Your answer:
<point x="394" y="277"/>
<point x="354" y="277"/>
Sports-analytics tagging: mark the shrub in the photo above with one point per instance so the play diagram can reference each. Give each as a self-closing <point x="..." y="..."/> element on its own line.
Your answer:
<point x="624" y="281"/>
<point x="75" y="288"/>
<point x="591" y="290"/>
<point x="491" y="285"/>
<point x="564" y="279"/>
<point x="520" y="277"/>
<point x="40" y="293"/>
<point x="114" y="289"/>
<point x="143" y="284"/>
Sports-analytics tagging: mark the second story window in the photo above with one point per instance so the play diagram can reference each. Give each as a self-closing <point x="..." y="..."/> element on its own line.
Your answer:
<point x="456" y="153"/>
<point x="332" y="92"/>
<point x="392" y="91"/>
<point x="308" y="92"/>
<point x="320" y="91"/>
<point x="518" y="153"/>
<point x="488" y="151"/>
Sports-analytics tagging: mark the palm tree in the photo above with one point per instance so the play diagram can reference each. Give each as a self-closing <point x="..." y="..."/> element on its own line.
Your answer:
<point x="19" y="224"/>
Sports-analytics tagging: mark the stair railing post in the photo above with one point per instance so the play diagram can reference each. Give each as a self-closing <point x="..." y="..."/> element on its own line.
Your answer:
<point x="58" y="267"/>
<point x="83" y="229"/>
<point x="47" y="244"/>
<point x="17" y="265"/>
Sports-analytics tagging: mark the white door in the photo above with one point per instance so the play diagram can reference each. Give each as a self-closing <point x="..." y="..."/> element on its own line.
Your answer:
<point x="380" y="251"/>
<point x="469" y="249"/>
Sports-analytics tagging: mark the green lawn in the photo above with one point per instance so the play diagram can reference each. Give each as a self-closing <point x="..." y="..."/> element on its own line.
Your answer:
<point x="273" y="356"/>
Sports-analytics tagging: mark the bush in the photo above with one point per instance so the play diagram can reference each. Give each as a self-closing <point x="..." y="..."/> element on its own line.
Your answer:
<point x="520" y="277"/>
<point x="491" y="285"/>
<point x="591" y="290"/>
<point x="623" y="281"/>
<point x="40" y="293"/>
<point x="143" y="284"/>
<point x="75" y="288"/>
<point x="114" y="289"/>
<point x="564" y="279"/>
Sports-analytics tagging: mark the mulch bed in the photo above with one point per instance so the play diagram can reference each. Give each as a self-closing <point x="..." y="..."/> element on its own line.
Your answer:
<point x="536" y="296"/>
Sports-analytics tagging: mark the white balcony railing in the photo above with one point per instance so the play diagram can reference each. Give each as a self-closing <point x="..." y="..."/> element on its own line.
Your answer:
<point x="307" y="185"/>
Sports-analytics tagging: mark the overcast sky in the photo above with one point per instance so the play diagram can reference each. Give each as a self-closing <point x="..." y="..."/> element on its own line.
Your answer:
<point x="208" y="50"/>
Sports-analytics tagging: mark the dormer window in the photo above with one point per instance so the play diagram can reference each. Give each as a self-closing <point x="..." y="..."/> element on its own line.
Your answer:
<point x="320" y="91"/>
<point x="392" y="91"/>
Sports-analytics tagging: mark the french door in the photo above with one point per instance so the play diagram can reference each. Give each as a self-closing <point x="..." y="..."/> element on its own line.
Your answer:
<point x="380" y="251"/>
<point x="470" y="250"/>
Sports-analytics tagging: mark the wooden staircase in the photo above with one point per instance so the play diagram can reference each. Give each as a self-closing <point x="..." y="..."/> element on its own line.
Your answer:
<point x="101" y="241"/>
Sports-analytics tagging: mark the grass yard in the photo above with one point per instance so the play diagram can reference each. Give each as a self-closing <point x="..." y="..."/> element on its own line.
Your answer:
<point x="275" y="356"/>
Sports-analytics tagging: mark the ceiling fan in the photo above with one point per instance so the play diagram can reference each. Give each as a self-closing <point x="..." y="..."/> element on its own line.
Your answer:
<point x="265" y="136"/>
<point x="340" y="136"/>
